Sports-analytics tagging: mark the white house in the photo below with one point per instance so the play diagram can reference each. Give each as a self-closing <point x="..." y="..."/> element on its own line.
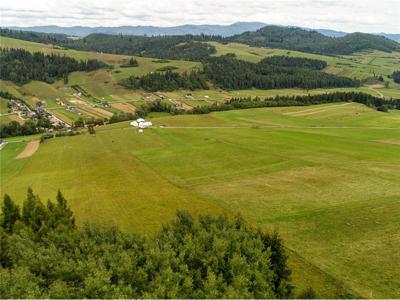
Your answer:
<point x="141" y="123"/>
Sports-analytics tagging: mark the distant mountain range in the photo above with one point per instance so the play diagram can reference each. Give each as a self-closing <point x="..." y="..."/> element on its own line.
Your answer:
<point x="222" y="30"/>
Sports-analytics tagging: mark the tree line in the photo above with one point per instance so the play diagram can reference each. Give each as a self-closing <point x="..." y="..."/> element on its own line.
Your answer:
<point x="29" y="127"/>
<point x="44" y="255"/>
<point x="277" y="101"/>
<point x="21" y="66"/>
<point x="304" y="100"/>
<point x="272" y="73"/>
<point x="396" y="76"/>
<point x="167" y="81"/>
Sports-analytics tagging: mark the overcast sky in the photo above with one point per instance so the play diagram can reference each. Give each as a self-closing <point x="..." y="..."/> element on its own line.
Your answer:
<point x="345" y="15"/>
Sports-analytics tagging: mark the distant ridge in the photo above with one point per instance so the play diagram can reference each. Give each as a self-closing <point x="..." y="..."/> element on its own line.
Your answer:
<point x="222" y="30"/>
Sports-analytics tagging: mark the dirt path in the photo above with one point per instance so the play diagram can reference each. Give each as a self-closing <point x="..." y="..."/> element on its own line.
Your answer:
<point x="376" y="91"/>
<point x="29" y="150"/>
<point x="316" y="110"/>
<point x="390" y="141"/>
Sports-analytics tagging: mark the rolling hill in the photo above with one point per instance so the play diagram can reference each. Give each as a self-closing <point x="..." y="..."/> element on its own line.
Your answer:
<point x="314" y="42"/>
<point x="222" y="30"/>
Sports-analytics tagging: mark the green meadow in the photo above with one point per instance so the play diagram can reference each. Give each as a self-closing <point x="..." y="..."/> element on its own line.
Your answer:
<point x="326" y="177"/>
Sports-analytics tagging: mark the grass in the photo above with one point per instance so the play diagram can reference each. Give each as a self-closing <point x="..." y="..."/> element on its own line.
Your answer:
<point x="4" y="106"/>
<point x="332" y="192"/>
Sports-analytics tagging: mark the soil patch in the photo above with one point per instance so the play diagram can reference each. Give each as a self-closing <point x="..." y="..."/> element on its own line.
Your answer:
<point x="29" y="150"/>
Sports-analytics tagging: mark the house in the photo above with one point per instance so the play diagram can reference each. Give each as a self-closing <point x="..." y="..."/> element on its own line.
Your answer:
<point x="40" y="106"/>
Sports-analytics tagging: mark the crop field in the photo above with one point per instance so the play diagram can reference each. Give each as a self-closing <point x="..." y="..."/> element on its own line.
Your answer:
<point x="325" y="176"/>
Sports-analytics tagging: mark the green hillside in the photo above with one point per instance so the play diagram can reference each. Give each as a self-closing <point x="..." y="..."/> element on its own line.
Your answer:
<point x="313" y="42"/>
<point x="326" y="180"/>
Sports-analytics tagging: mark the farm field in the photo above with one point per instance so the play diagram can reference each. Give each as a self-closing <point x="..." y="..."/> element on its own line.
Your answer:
<point x="325" y="176"/>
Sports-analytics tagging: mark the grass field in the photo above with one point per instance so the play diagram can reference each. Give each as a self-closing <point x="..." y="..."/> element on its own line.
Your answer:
<point x="326" y="177"/>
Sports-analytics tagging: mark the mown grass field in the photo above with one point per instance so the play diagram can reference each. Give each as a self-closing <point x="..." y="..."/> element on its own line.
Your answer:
<point x="326" y="177"/>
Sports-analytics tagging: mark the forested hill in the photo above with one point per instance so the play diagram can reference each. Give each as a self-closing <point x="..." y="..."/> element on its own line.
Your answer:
<point x="314" y="42"/>
<point x="196" y="48"/>
<point x="185" y="47"/>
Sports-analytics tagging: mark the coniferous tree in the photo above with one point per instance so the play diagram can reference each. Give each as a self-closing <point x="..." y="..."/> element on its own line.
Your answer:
<point x="10" y="212"/>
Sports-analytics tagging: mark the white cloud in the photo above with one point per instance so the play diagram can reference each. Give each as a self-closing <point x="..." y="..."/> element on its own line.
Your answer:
<point x="361" y="15"/>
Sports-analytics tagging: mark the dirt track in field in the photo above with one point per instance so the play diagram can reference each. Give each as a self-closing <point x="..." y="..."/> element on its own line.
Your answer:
<point x="312" y="111"/>
<point x="390" y="141"/>
<point x="29" y="150"/>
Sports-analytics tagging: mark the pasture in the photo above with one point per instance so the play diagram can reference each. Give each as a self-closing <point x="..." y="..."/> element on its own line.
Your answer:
<point x="326" y="177"/>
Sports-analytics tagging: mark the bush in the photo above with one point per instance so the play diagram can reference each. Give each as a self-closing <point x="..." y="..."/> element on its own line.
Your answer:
<point x="382" y="108"/>
<point x="309" y="293"/>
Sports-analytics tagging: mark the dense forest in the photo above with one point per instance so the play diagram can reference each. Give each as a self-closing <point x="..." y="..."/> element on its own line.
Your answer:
<point x="21" y="66"/>
<point x="271" y="73"/>
<point x="313" y="42"/>
<point x="167" y="81"/>
<point x="44" y="255"/>
<point x="294" y="62"/>
<point x="396" y="76"/>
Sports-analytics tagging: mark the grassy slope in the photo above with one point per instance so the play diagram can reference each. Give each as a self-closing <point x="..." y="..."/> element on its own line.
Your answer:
<point x="332" y="193"/>
<point x="104" y="83"/>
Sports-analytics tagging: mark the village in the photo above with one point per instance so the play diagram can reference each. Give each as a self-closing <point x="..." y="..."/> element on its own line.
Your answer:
<point x="24" y="112"/>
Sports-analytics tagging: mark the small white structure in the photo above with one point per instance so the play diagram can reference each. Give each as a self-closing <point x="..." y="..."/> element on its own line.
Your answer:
<point x="141" y="123"/>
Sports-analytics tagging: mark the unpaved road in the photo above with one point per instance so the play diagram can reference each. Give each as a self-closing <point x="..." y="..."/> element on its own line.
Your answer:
<point x="29" y="150"/>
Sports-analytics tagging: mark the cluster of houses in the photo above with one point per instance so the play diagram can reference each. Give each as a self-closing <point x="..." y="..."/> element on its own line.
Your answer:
<point x="23" y="110"/>
<point x="19" y="107"/>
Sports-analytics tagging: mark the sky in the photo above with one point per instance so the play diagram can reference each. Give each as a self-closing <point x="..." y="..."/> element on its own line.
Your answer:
<point x="344" y="15"/>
